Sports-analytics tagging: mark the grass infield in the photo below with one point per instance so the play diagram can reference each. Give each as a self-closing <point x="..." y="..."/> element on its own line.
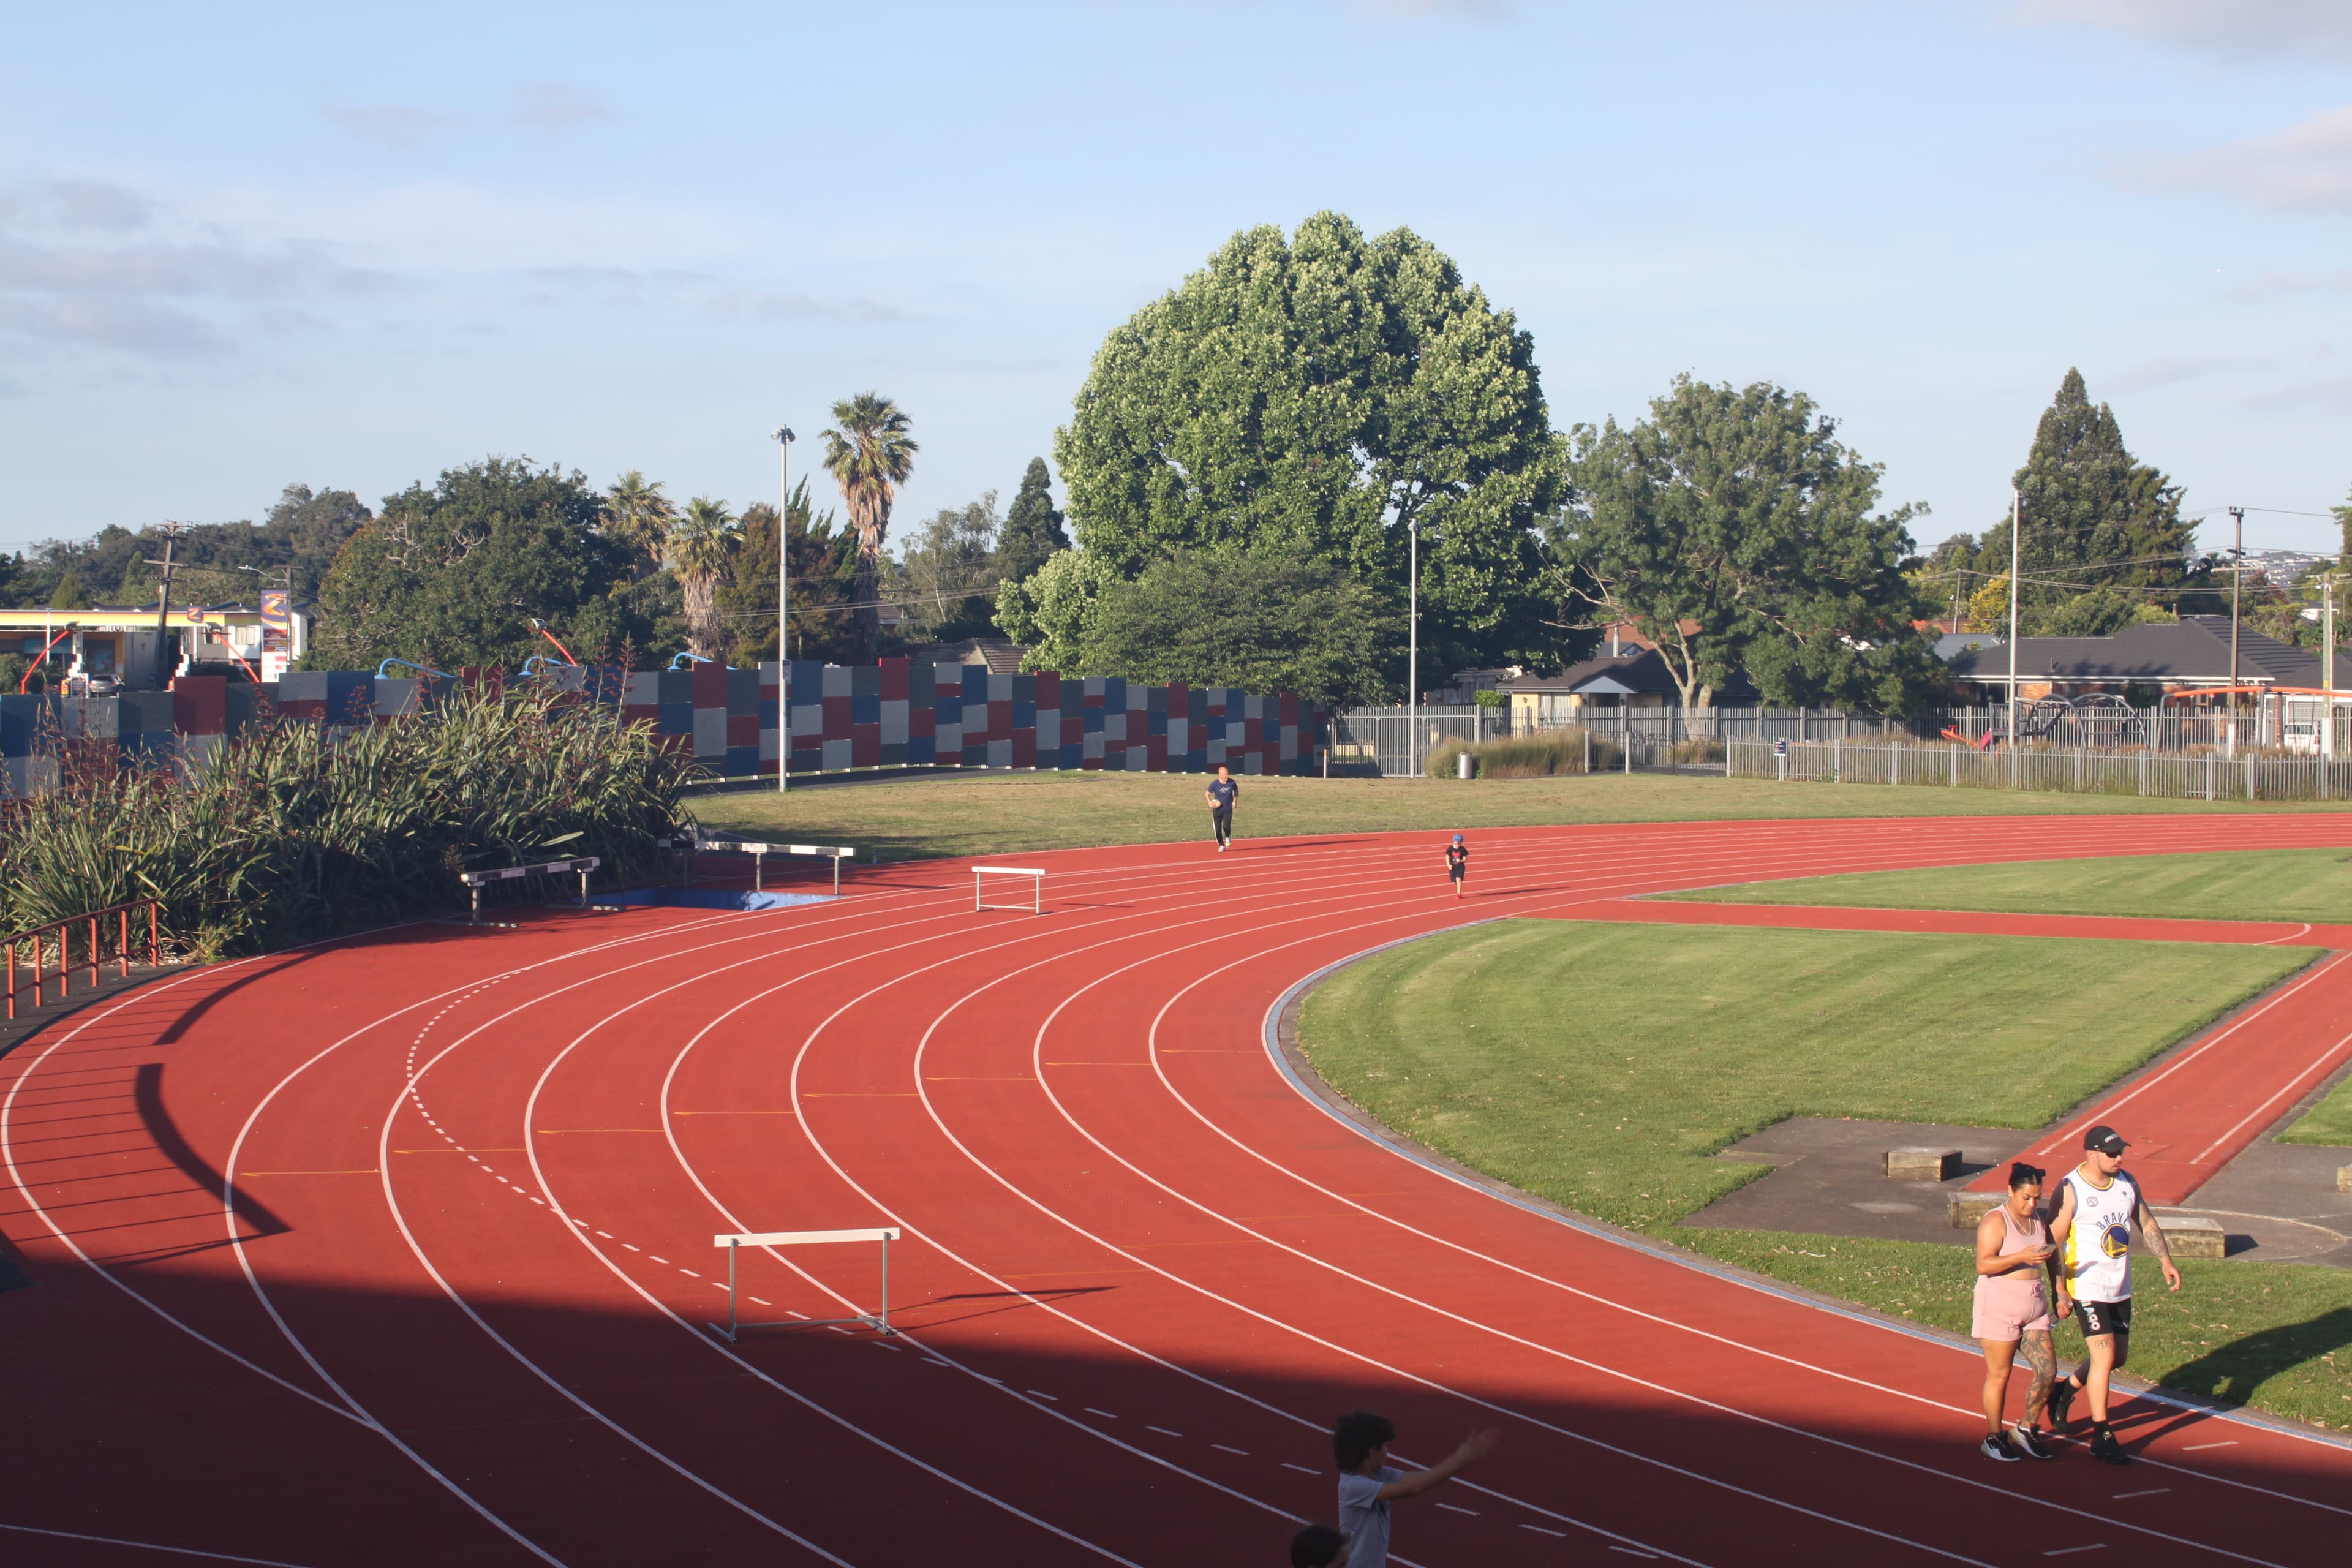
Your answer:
<point x="1600" y="1066"/>
<point x="995" y="813"/>
<point x="2239" y="885"/>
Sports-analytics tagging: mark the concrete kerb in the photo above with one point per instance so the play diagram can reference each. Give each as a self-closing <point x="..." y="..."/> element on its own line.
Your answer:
<point x="1279" y="1034"/>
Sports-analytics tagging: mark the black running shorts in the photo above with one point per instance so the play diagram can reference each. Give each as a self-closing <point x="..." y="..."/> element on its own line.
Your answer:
<point x="2103" y="1317"/>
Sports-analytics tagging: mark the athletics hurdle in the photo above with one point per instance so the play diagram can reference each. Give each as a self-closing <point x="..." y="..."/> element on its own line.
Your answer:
<point x="760" y="853"/>
<point x="886" y="1235"/>
<point x="477" y="880"/>
<point x="1036" y="886"/>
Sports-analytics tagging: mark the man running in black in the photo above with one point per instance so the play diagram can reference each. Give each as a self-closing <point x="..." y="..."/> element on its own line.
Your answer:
<point x="1221" y="793"/>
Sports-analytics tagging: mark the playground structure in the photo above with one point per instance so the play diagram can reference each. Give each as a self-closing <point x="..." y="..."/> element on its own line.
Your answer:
<point x="2297" y="720"/>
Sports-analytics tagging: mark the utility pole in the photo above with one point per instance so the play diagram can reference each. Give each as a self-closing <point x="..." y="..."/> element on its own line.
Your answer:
<point x="2016" y="527"/>
<point x="1412" y="654"/>
<point x="784" y="438"/>
<point x="170" y="532"/>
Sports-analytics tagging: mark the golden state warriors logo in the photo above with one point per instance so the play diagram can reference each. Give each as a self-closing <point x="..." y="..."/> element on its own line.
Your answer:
<point x="2115" y="1241"/>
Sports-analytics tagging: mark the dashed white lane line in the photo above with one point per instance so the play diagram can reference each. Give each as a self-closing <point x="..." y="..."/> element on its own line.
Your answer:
<point x="1163" y="1431"/>
<point x="2152" y="1492"/>
<point x="1104" y="1413"/>
<point x="2194" y="1446"/>
<point x="1305" y="1471"/>
<point x="1043" y="1394"/>
<point x="632" y="1248"/>
<point x="1228" y="1449"/>
<point x="1629" y="1552"/>
<point x="881" y="1346"/>
<point x="763" y="1300"/>
<point x="2069" y="1550"/>
<point x="663" y="1261"/>
<point x="1540" y="1529"/>
<point x="1448" y="1507"/>
<point x="689" y="1272"/>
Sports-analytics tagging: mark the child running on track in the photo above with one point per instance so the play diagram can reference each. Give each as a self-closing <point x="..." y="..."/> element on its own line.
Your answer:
<point x="2096" y="1204"/>
<point x="1457" y="863"/>
<point x="1221" y="792"/>
<point x="2011" y="1311"/>
<point x="1369" y="1483"/>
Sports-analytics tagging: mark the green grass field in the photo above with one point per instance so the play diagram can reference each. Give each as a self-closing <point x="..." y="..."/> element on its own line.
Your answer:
<point x="2312" y="885"/>
<point x="993" y="813"/>
<point x="2232" y="885"/>
<point x="1600" y="1066"/>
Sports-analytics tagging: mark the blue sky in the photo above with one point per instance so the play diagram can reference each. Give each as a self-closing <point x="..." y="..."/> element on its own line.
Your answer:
<point x="246" y="246"/>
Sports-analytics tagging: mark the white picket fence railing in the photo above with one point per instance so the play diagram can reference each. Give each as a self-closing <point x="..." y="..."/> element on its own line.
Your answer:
<point x="2207" y="775"/>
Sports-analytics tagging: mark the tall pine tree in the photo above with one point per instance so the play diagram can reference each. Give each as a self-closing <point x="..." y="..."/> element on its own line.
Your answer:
<point x="2102" y="528"/>
<point x="1032" y="528"/>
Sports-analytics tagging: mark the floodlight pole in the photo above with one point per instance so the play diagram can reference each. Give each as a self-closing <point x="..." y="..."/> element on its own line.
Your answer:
<point x="783" y="436"/>
<point x="2016" y="526"/>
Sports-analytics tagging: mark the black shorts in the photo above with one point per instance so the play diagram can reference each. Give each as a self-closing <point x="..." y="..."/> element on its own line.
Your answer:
<point x="1455" y="871"/>
<point x="2103" y="1317"/>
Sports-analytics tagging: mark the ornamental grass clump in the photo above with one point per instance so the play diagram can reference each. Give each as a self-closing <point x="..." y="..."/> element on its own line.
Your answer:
<point x="287" y="833"/>
<point x="1543" y="754"/>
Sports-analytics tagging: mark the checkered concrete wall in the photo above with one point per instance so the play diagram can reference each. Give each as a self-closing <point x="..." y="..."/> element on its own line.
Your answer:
<point x="891" y="715"/>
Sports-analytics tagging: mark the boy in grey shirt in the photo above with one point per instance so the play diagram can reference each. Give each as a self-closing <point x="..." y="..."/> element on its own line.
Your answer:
<point x="1369" y="1483"/>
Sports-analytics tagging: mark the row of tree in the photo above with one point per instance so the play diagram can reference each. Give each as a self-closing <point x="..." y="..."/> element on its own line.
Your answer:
<point x="1253" y="465"/>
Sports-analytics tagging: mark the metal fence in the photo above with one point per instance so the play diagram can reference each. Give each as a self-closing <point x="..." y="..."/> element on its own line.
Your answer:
<point x="1381" y="740"/>
<point x="2213" y="774"/>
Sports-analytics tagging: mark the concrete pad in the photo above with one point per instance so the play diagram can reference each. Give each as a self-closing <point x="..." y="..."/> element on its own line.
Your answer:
<point x="1916" y="1165"/>
<point x="2196" y="1237"/>
<point x="1968" y="1209"/>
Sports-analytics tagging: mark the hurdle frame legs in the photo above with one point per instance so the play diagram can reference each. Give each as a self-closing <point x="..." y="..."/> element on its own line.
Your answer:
<point x="879" y="1322"/>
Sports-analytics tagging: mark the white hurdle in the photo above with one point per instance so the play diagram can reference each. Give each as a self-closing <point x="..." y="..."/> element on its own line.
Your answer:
<point x="1036" y="886"/>
<point x="880" y="1322"/>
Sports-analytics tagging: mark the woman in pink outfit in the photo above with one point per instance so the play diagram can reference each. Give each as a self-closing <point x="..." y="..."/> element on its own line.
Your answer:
<point x="2013" y="1307"/>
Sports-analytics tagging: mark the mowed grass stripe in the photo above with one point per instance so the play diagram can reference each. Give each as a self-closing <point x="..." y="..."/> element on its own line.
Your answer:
<point x="1600" y="1065"/>
<point x="2312" y="885"/>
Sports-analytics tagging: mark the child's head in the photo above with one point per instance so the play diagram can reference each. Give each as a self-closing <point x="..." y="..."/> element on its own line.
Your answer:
<point x="1318" y="1546"/>
<point x="1457" y="839"/>
<point x="1357" y="1435"/>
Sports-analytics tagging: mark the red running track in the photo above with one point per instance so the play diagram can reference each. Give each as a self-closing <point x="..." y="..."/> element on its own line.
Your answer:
<point x="400" y="1248"/>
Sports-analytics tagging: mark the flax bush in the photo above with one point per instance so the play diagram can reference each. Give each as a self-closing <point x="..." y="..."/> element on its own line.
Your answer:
<point x="1540" y="755"/>
<point x="287" y="833"/>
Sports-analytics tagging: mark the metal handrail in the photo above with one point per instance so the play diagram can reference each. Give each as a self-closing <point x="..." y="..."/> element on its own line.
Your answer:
<point x="38" y="937"/>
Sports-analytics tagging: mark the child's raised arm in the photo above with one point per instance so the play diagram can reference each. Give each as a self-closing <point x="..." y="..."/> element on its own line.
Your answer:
<point x="1476" y="1445"/>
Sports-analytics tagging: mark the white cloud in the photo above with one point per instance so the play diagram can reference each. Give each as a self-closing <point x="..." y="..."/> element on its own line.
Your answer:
<point x="2306" y="168"/>
<point x="2232" y="29"/>
<point x="392" y="125"/>
<point x="556" y="106"/>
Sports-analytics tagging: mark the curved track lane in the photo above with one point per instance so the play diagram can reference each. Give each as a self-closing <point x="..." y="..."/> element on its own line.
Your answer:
<point x="407" y="1240"/>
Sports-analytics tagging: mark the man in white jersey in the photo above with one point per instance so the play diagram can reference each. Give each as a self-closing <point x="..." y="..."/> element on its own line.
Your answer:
<point x="2091" y="1270"/>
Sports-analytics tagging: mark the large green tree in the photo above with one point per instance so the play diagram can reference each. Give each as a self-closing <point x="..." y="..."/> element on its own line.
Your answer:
<point x="1033" y="527"/>
<point x="1733" y="530"/>
<point x="1317" y="396"/>
<point x="870" y="453"/>
<point x="1259" y="621"/>
<point x="1057" y="610"/>
<point x="2104" y="537"/>
<point x="452" y="574"/>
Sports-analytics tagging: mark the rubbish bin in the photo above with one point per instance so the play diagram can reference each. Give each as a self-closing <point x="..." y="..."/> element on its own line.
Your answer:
<point x="1464" y="765"/>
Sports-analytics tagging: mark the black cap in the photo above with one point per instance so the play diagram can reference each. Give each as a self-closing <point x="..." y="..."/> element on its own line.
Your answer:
<point x="2105" y="1139"/>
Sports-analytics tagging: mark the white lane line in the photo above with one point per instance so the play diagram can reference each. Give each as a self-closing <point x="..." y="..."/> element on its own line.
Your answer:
<point x="2152" y="1492"/>
<point x="2069" y="1550"/>
<point x="1042" y="1394"/>
<point x="1231" y="1449"/>
<point x="1092" y="1411"/>
<point x="885" y="1345"/>
<point x="631" y="1248"/>
<point x="2195" y="1448"/>
<point x="762" y="1299"/>
<point x="1631" y="1552"/>
<point x="1305" y="1471"/>
<point x="1540" y="1529"/>
<point x="1163" y="1431"/>
<point x="1448" y="1507"/>
<point x="148" y="1546"/>
<point x="660" y="1260"/>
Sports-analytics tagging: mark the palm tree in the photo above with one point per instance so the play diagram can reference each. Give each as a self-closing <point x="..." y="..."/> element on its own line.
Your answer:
<point x="700" y="545"/>
<point x="869" y="455"/>
<point x="638" y="515"/>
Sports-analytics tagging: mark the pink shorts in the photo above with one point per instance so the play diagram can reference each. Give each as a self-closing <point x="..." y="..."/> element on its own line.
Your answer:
<point x="1999" y="1320"/>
